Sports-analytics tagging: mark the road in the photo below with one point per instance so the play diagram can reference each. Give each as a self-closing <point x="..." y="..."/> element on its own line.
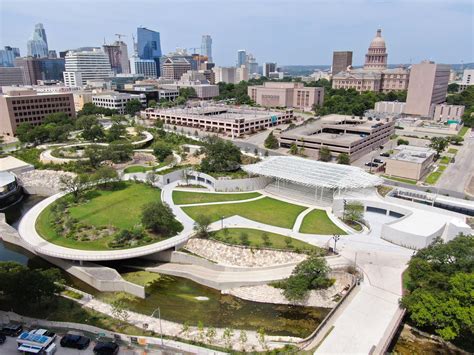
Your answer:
<point x="458" y="174"/>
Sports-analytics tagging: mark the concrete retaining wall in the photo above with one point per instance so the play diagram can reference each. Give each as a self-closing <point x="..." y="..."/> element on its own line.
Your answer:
<point x="39" y="190"/>
<point x="230" y="185"/>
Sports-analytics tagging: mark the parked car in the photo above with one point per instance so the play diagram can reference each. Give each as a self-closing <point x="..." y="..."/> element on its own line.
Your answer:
<point x="75" y="342"/>
<point x="11" y="330"/>
<point x="3" y="339"/>
<point x="106" y="348"/>
<point x="386" y="154"/>
<point x="373" y="165"/>
<point x="380" y="161"/>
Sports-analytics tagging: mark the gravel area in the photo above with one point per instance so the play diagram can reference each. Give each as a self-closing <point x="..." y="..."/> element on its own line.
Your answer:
<point x="43" y="182"/>
<point x="240" y="256"/>
<point x="327" y="298"/>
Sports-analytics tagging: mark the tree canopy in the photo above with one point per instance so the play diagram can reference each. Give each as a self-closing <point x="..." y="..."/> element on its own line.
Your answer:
<point x="441" y="288"/>
<point x="92" y="109"/>
<point x="55" y="128"/>
<point x="159" y="218"/>
<point x="133" y="106"/>
<point x="220" y="156"/>
<point x="271" y="142"/>
<point x="465" y="98"/>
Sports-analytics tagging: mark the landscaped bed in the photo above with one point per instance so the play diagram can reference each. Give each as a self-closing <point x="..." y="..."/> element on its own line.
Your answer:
<point x="94" y="222"/>
<point x="433" y="177"/>
<point x="399" y="179"/>
<point x="266" y="210"/>
<point x="260" y="239"/>
<point x="318" y="222"/>
<point x="185" y="197"/>
<point x="141" y="168"/>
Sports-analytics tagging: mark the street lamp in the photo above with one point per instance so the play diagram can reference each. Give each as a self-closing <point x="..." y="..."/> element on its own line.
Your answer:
<point x="161" y="329"/>
<point x="336" y="237"/>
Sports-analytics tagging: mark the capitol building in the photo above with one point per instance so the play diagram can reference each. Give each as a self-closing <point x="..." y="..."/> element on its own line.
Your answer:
<point x="374" y="76"/>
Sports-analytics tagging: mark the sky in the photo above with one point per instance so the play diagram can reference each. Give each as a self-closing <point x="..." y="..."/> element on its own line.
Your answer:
<point x="290" y="32"/>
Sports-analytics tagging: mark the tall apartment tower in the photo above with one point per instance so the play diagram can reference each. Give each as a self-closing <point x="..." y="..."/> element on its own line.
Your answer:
<point x="118" y="57"/>
<point x="206" y="47"/>
<point x="269" y="68"/>
<point x="241" y="57"/>
<point x="8" y="55"/>
<point x="86" y="65"/>
<point x="427" y="87"/>
<point x="38" y="44"/>
<point x="376" y="57"/>
<point x="340" y="61"/>
<point x="149" y="46"/>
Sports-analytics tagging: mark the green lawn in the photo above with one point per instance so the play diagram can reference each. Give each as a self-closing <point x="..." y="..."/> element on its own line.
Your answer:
<point x="118" y="208"/>
<point x="399" y="179"/>
<point x="442" y="168"/>
<point x="463" y="131"/>
<point x="185" y="197"/>
<point x="445" y="160"/>
<point x="142" y="278"/>
<point x="318" y="222"/>
<point x="276" y="241"/>
<point x="452" y="150"/>
<point x="266" y="210"/>
<point x="141" y="168"/>
<point x="433" y="177"/>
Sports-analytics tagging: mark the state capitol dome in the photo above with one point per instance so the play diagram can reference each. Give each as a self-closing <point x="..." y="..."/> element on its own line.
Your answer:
<point x="378" y="41"/>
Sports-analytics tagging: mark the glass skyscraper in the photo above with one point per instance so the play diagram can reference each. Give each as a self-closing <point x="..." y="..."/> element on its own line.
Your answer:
<point x="38" y="44"/>
<point x="206" y="47"/>
<point x="149" y="46"/>
<point x="241" y="57"/>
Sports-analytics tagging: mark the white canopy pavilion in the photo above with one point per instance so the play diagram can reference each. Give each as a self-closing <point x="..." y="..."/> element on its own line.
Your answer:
<point x="313" y="180"/>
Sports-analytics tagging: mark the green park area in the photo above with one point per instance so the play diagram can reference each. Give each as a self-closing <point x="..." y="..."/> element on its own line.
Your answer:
<point x="266" y="210"/>
<point x="399" y="179"/>
<point x="445" y="160"/>
<point x="93" y="222"/>
<point x="433" y="177"/>
<point x="462" y="132"/>
<point x="256" y="238"/>
<point x="318" y="222"/>
<point x="452" y="150"/>
<point x="185" y="197"/>
<point x="141" y="168"/>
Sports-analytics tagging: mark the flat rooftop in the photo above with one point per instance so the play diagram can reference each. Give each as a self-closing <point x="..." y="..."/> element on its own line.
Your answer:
<point x="11" y="163"/>
<point x="412" y="154"/>
<point x="217" y="112"/>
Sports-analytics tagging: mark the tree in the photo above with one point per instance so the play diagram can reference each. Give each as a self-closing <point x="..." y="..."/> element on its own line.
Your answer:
<point x="294" y="149"/>
<point x="402" y="141"/>
<point x="244" y="238"/>
<point x="227" y="337"/>
<point x="439" y="293"/>
<point x="243" y="339"/>
<point x="92" y="109"/>
<point x="343" y="158"/>
<point x="220" y="156"/>
<point x="151" y="177"/>
<point x="116" y="132"/>
<point x="105" y="175"/>
<point x="456" y="140"/>
<point x="96" y="155"/>
<point x="453" y="88"/>
<point x="201" y="334"/>
<point x="185" y="329"/>
<point x="159" y="218"/>
<point x="324" y="154"/>
<point x="439" y="144"/>
<point x="132" y="107"/>
<point x="271" y="142"/>
<point x="354" y="211"/>
<point x="211" y="335"/>
<point x="152" y="104"/>
<point x="187" y="92"/>
<point x="266" y="239"/>
<point x="309" y="274"/>
<point x="201" y="225"/>
<point x="161" y="150"/>
<point x="118" y="152"/>
<point x="75" y="185"/>
<point x="261" y="338"/>
<point x="119" y="308"/>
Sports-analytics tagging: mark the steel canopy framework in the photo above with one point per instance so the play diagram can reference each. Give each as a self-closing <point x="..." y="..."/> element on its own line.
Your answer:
<point x="314" y="174"/>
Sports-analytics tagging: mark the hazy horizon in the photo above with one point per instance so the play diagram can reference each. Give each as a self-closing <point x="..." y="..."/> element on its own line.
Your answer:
<point x="299" y="32"/>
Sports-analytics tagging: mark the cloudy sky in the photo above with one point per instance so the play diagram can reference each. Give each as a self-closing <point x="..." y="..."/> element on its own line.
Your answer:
<point x="288" y="32"/>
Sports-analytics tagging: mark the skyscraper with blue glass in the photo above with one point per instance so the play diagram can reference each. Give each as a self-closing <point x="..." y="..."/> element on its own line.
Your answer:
<point x="149" y="46"/>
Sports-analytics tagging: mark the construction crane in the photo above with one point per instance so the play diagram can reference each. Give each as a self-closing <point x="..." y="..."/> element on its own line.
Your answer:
<point x="119" y="35"/>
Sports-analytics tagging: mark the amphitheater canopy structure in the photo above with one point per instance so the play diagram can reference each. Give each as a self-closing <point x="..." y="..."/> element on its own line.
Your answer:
<point x="322" y="179"/>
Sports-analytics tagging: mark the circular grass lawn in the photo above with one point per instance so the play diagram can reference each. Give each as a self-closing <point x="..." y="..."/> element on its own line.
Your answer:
<point x="120" y="209"/>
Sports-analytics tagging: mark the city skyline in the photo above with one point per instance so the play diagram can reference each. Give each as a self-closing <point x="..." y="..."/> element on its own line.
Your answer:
<point x="410" y="38"/>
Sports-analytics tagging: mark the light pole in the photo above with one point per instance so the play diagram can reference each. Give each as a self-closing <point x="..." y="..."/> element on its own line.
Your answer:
<point x="336" y="237"/>
<point x="161" y="329"/>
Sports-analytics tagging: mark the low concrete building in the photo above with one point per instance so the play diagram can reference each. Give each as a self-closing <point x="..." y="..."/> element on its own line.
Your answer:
<point x="276" y="94"/>
<point x="410" y="162"/>
<point x="354" y="136"/>
<point x="14" y="165"/>
<point x="28" y="106"/>
<point x="116" y="100"/>
<point x="81" y="98"/>
<point x="391" y="107"/>
<point x="233" y="121"/>
<point x="444" y="112"/>
<point x="12" y="76"/>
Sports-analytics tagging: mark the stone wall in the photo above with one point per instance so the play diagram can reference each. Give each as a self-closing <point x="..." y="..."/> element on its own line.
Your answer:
<point x="42" y="182"/>
<point x="240" y="256"/>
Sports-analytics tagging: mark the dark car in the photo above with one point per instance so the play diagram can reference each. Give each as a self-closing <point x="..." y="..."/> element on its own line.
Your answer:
<point x="386" y="154"/>
<point x="3" y="339"/>
<point x="75" y="342"/>
<point x="374" y="165"/>
<point x="106" y="348"/>
<point x="11" y="330"/>
<point x="380" y="161"/>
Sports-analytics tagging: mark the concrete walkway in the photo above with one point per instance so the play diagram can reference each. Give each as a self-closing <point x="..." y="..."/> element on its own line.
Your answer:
<point x="299" y="219"/>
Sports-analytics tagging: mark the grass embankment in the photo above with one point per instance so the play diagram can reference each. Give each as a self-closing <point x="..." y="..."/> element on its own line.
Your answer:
<point x="102" y="208"/>
<point x="452" y="150"/>
<point x="185" y="197"/>
<point x="318" y="222"/>
<point x="142" y="278"/>
<point x="445" y="160"/>
<point x="141" y="168"/>
<point x="399" y="179"/>
<point x="462" y="132"/>
<point x="266" y="210"/>
<point x="255" y="240"/>
<point x="433" y="177"/>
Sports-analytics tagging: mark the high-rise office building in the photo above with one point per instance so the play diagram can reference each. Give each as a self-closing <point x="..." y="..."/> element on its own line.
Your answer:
<point x="12" y="76"/>
<point x="149" y="46"/>
<point x="340" y="61"/>
<point x="376" y="57"/>
<point x="269" y="68"/>
<point x="145" y="67"/>
<point x="118" y="57"/>
<point x="44" y="69"/>
<point x="174" y="68"/>
<point x="206" y="47"/>
<point x="8" y="55"/>
<point x="86" y="65"/>
<point x="241" y="57"/>
<point x="252" y="64"/>
<point x="38" y="44"/>
<point x="427" y="87"/>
